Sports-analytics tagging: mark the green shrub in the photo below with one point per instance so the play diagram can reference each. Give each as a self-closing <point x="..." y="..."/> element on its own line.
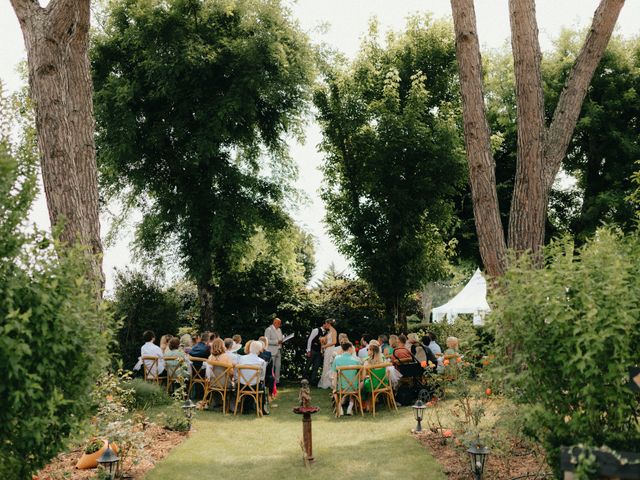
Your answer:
<point x="53" y="335"/>
<point x="147" y="394"/>
<point x="565" y="337"/>
<point x="176" y="421"/>
<point x="142" y="304"/>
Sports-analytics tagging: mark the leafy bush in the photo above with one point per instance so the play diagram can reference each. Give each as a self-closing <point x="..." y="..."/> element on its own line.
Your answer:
<point x="53" y="335"/>
<point x="113" y="397"/>
<point x="142" y="304"/>
<point x="565" y="338"/>
<point x="147" y="394"/>
<point x="176" y="421"/>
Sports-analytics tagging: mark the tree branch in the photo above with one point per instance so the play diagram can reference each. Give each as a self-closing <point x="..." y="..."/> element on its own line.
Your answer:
<point x="25" y="9"/>
<point x="575" y="89"/>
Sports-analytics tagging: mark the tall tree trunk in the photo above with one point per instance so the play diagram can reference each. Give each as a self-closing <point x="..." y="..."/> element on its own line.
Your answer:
<point x="57" y="41"/>
<point x="482" y="175"/>
<point x="536" y="168"/>
<point x="529" y="201"/>
<point x="206" y="296"/>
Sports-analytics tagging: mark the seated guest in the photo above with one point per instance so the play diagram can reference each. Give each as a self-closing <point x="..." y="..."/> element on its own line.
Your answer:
<point x="401" y="353"/>
<point x="179" y="367"/>
<point x="433" y="345"/>
<point x="422" y="353"/>
<point x="346" y="358"/>
<point x="201" y="349"/>
<point x="186" y="342"/>
<point x="251" y="358"/>
<point x="430" y="342"/>
<point x="266" y="355"/>
<point x="364" y="346"/>
<point x="384" y="345"/>
<point x="239" y="349"/>
<point x="374" y="358"/>
<point x="393" y="343"/>
<point x="150" y="349"/>
<point x="229" y="346"/>
<point x="218" y="354"/>
<point x="453" y="345"/>
<point x="164" y="342"/>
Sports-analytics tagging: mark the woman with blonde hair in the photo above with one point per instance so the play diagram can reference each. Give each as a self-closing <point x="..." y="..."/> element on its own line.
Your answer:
<point x="164" y="342"/>
<point x="186" y="342"/>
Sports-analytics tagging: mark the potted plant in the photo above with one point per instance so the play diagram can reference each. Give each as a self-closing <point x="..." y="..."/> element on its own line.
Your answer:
<point x="92" y="452"/>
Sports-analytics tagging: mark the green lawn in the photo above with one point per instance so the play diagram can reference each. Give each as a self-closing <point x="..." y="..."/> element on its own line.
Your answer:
<point x="246" y="447"/>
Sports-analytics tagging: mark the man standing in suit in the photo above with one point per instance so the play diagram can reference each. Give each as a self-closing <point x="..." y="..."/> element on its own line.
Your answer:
<point x="274" y="337"/>
<point x="314" y="353"/>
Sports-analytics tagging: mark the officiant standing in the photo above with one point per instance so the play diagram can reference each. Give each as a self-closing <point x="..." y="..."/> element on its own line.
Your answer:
<point x="274" y="336"/>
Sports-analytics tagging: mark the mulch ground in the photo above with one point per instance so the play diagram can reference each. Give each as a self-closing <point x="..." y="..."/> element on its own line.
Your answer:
<point x="518" y="463"/>
<point x="158" y="444"/>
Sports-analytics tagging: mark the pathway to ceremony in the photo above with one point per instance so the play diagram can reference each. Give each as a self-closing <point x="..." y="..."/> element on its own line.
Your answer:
<point x="246" y="447"/>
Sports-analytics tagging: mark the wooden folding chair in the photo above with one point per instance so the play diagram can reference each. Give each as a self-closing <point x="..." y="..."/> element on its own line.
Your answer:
<point x="348" y="382"/>
<point x="219" y="382"/>
<point x="150" y="369"/>
<point x="172" y="367"/>
<point x="380" y="385"/>
<point x="198" y="374"/>
<point x="248" y="385"/>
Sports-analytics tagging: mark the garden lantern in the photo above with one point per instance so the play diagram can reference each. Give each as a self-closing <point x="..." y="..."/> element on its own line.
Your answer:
<point x="418" y="412"/>
<point x="188" y="407"/>
<point x="109" y="461"/>
<point x="477" y="455"/>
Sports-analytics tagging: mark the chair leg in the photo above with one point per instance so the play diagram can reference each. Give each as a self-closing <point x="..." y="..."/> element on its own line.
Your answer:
<point x="359" y="398"/>
<point x="374" y="398"/>
<point x="235" y="410"/>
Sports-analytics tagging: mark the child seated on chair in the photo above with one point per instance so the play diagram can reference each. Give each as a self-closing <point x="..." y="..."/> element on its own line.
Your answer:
<point x="345" y="359"/>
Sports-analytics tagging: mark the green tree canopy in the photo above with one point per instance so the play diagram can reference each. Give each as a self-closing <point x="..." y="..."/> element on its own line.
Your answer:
<point x="393" y="157"/>
<point x="601" y="155"/>
<point x="192" y="101"/>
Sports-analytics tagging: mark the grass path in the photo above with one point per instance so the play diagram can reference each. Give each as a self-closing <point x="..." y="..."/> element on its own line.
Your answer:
<point x="246" y="447"/>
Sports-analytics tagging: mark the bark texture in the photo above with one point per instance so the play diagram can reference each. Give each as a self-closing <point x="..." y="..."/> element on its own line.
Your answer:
<point x="529" y="200"/>
<point x="482" y="174"/>
<point x="57" y="42"/>
<point x="540" y="150"/>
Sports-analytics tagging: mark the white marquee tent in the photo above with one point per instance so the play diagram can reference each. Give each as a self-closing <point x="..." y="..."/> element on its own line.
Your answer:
<point x="471" y="299"/>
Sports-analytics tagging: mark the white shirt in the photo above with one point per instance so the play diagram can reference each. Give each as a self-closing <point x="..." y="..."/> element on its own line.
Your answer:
<point x="150" y="349"/>
<point x="314" y="333"/>
<point x="363" y="352"/>
<point x="235" y="358"/>
<point x="251" y="359"/>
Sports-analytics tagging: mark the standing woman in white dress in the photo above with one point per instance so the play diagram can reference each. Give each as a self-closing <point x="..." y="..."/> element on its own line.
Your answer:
<point x="326" y="348"/>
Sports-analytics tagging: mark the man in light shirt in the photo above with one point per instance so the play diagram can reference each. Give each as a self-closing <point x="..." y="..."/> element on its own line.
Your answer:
<point x="274" y="340"/>
<point x="363" y="353"/>
<point x="230" y="347"/>
<point x="251" y="359"/>
<point x="150" y="349"/>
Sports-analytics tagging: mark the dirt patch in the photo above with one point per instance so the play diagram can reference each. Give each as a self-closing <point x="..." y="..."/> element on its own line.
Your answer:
<point x="517" y="463"/>
<point x="158" y="444"/>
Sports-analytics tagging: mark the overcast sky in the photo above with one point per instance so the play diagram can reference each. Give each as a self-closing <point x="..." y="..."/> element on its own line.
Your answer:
<point x="348" y="21"/>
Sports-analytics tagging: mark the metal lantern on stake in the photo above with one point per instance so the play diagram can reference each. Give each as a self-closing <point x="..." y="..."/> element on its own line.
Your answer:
<point x="188" y="407"/>
<point x="418" y="412"/>
<point x="109" y="461"/>
<point x="478" y="456"/>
